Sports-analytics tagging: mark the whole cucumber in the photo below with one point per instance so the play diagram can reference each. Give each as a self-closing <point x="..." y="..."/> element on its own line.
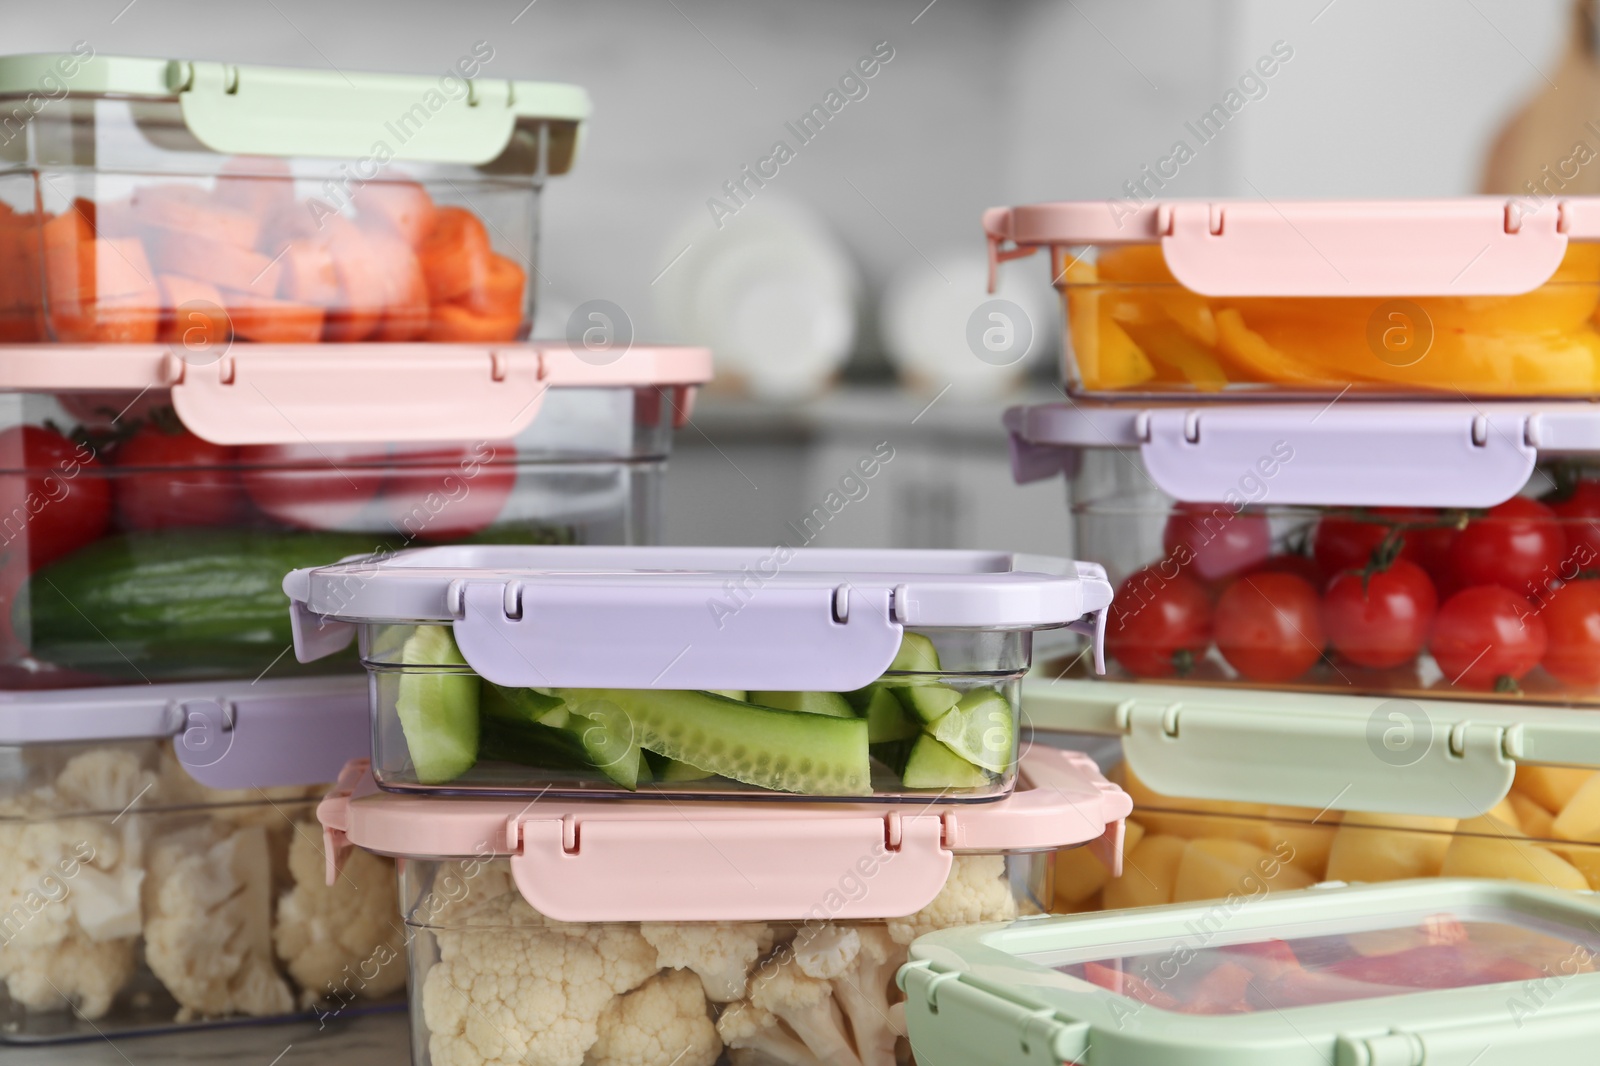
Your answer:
<point x="173" y="603"/>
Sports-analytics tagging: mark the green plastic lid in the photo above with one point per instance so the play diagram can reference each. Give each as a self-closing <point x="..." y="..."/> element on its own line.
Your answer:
<point x="1413" y="973"/>
<point x="1446" y="758"/>
<point x="235" y="109"/>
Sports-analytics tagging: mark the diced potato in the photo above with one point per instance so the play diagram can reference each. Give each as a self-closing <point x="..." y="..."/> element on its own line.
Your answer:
<point x="1551" y="786"/>
<point x="1500" y="853"/>
<point x="1580" y="816"/>
<point x="1535" y="821"/>
<point x="1215" y="869"/>
<point x="1209" y="818"/>
<point x="1587" y="861"/>
<point x="1310" y="841"/>
<point x="1147" y="874"/>
<point x="1389" y="847"/>
<point x="1080" y="874"/>
<point x="1506" y="814"/>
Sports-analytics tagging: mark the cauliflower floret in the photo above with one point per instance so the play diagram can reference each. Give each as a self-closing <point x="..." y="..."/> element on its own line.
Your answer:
<point x="343" y="940"/>
<point x="663" y="1022"/>
<point x="805" y="1005"/>
<point x="863" y="991"/>
<point x="512" y="988"/>
<point x="103" y="779"/>
<point x="757" y="1036"/>
<point x="720" y="953"/>
<point x="977" y="891"/>
<point x="208" y="925"/>
<point x="83" y="974"/>
<point x="826" y="950"/>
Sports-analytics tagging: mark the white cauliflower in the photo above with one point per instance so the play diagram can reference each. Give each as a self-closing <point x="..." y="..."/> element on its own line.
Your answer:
<point x="806" y="1005"/>
<point x="663" y="1022"/>
<point x="863" y="991"/>
<point x="720" y="953"/>
<point x="512" y="988"/>
<point x="70" y="885"/>
<point x="758" y="1036"/>
<point x="208" y="922"/>
<point x="977" y="891"/>
<point x="344" y="940"/>
<point x="826" y="950"/>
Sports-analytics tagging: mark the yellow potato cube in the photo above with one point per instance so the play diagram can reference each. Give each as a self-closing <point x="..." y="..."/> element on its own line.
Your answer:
<point x="1506" y="813"/>
<point x="1586" y="858"/>
<point x="1215" y="869"/>
<point x="1580" y="817"/>
<point x="1080" y="874"/>
<point x="1507" y="857"/>
<point x="1388" y="847"/>
<point x="1535" y="821"/>
<point x="1308" y="842"/>
<point x="1551" y="786"/>
<point x="1148" y="874"/>
<point x="1197" y="817"/>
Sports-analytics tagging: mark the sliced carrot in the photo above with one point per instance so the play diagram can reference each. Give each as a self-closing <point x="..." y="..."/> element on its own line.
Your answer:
<point x="405" y="299"/>
<point x="78" y="274"/>
<point x="501" y="292"/>
<point x="362" y="290"/>
<point x="452" y="322"/>
<point x="196" y="211"/>
<point x="131" y="319"/>
<point x="270" y="321"/>
<point x="455" y="254"/>
<point x="309" y="276"/>
<point x="228" y="266"/>
<point x="404" y="208"/>
<point x="255" y="184"/>
<point x="192" y="313"/>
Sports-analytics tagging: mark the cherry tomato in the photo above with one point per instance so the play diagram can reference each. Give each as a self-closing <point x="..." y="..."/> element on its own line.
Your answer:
<point x="1345" y="541"/>
<point x="450" y="492"/>
<point x="313" y="487"/>
<point x="1580" y="520"/>
<point x="1487" y="637"/>
<point x="54" y="499"/>
<point x="173" y="478"/>
<point x="1298" y="565"/>
<point x="1215" y="540"/>
<point x="1160" y="624"/>
<point x="1572" y="620"/>
<point x="1518" y="545"/>
<point x="1269" y="627"/>
<point x="1381" y="619"/>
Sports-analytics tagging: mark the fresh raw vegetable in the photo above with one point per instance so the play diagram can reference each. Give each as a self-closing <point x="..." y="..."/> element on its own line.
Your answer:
<point x="167" y="477"/>
<point x="924" y="697"/>
<point x="1572" y="621"/>
<point x="829" y="703"/>
<point x="449" y="492"/>
<point x="1215" y="540"/>
<point x="886" y="716"/>
<point x="322" y="486"/>
<point x="53" y="497"/>
<point x="438" y="708"/>
<point x="1380" y="618"/>
<point x="1269" y="627"/>
<point x="1519" y="545"/>
<point x="1487" y="637"/>
<point x="934" y="765"/>
<point x="1160" y="623"/>
<point x="981" y="729"/>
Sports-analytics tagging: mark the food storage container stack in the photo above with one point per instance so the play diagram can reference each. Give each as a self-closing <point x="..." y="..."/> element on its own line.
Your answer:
<point x="1341" y="461"/>
<point x="653" y="806"/>
<point x="253" y="319"/>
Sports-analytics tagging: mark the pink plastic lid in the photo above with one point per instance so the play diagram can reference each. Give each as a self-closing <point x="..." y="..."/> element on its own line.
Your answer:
<point x="322" y="393"/>
<point x="1473" y="246"/>
<point x="655" y="860"/>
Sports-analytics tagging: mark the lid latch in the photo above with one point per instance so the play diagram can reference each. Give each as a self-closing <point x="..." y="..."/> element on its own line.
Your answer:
<point x="1390" y="1049"/>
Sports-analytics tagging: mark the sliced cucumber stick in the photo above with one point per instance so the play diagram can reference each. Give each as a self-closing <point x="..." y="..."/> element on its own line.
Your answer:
<point x="790" y="751"/>
<point x="917" y="655"/>
<point x="981" y="729"/>
<point x="929" y="701"/>
<point x="608" y="735"/>
<point x="829" y="703"/>
<point x="932" y="765"/>
<point x="438" y="708"/>
<point x="886" y="718"/>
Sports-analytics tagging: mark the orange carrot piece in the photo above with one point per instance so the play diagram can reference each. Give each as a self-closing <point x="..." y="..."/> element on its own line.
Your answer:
<point x="455" y="254"/>
<point x="405" y="300"/>
<point x="255" y="184"/>
<point x="309" y="275"/>
<point x="228" y="266"/>
<point x="452" y="322"/>
<point x="192" y="313"/>
<point x="403" y="208"/>
<point x="271" y="321"/>
<point x="195" y="211"/>
<point x="501" y="292"/>
<point x="362" y="290"/>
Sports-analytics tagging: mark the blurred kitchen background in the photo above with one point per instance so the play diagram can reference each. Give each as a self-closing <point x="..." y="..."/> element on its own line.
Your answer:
<point x="838" y="294"/>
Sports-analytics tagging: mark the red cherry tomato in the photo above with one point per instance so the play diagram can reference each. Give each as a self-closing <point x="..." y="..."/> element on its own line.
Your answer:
<point x="1298" y="565"/>
<point x="1580" y="520"/>
<point x="54" y="498"/>
<point x="1572" y="621"/>
<point x="450" y="492"/>
<point x="1269" y="627"/>
<point x="1486" y="637"/>
<point x="1344" y="541"/>
<point x="313" y="487"/>
<point x="172" y="478"/>
<point x="1518" y="545"/>
<point x="1381" y="619"/>
<point x="1160" y="624"/>
<point x="1215" y="540"/>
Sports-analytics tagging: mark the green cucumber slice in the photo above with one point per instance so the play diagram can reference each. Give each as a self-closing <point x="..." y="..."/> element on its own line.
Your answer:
<point x="731" y="693"/>
<point x="917" y="655"/>
<point x="789" y="751"/>
<point x="609" y="737"/>
<point x="932" y="765"/>
<point x="886" y="718"/>
<point x="531" y="744"/>
<point x="438" y="708"/>
<point x="829" y="703"/>
<point x="522" y="705"/>
<point x="982" y="729"/>
<point x="929" y="701"/>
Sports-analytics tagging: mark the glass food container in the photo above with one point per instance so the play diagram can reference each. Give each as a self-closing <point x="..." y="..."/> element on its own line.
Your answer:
<point x="1481" y="296"/>
<point x="149" y="201"/>
<point x="767" y="673"/>
<point x="1419" y="972"/>
<point x="162" y="865"/>
<point x="566" y="932"/>
<point x="149" y="507"/>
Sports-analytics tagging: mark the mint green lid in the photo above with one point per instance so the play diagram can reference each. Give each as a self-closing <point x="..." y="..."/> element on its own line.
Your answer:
<point x="288" y="111"/>
<point x="1411" y="973"/>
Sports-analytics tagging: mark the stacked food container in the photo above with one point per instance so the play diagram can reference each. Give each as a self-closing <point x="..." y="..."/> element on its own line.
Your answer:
<point x="255" y="319"/>
<point x="1339" y="460"/>
<point x="657" y="806"/>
